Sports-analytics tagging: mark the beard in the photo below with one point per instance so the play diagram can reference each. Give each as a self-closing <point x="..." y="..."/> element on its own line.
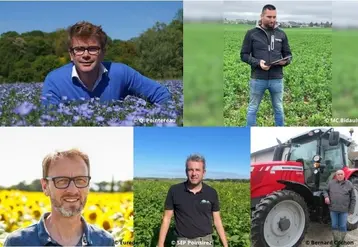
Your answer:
<point x="70" y="211"/>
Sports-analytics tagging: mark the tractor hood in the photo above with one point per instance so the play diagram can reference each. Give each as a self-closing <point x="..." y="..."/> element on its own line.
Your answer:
<point x="261" y="165"/>
<point x="265" y="176"/>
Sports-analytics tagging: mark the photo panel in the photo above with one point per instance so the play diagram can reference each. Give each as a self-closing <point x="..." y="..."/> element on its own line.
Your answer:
<point x="345" y="75"/>
<point x="123" y="67"/>
<point x="176" y="201"/>
<point x="304" y="186"/>
<point x="40" y="205"/>
<point x="260" y="90"/>
<point x="203" y="63"/>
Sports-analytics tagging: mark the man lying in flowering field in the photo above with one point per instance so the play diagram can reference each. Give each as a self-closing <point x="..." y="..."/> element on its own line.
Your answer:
<point x="87" y="76"/>
<point x="66" y="177"/>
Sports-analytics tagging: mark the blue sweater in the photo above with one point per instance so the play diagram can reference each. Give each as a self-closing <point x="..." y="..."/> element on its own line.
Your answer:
<point x="119" y="82"/>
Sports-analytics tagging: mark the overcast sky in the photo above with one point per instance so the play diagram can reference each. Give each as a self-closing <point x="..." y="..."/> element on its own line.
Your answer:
<point x="202" y="9"/>
<point x="264" y="137"/>
<point x="341" y="13"/>
<point x="110" y="151"/>
<point x="301" y="11"/>
<point x="345" y="13"/>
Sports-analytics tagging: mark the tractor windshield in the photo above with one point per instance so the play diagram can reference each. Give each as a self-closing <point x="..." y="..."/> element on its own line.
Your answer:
<point x="303" y="150"/>
<point x="332" y="156"/>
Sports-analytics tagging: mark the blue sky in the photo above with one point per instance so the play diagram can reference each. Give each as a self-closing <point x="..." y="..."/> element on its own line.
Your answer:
<point x="161" y="152"/>
<point x="120" y="20"/>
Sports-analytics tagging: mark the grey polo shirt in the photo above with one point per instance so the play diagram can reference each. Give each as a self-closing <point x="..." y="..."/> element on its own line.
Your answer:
<point x="37" y="235"/>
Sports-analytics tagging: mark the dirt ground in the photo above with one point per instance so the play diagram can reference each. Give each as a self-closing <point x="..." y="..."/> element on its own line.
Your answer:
<point x="319" y="235"/>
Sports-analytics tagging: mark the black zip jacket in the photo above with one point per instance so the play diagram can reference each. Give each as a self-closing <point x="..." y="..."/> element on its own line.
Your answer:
<point x="268" y="45"/>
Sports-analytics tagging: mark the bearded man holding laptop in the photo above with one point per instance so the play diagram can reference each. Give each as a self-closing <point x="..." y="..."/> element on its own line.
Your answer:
<point x="266" y="49"/>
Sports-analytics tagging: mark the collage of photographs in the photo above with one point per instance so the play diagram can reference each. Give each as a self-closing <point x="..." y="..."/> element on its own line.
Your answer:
<point x="179" y="123"/>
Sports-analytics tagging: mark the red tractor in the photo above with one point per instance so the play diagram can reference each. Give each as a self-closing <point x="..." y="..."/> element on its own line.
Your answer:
<point x="287" y="190"/>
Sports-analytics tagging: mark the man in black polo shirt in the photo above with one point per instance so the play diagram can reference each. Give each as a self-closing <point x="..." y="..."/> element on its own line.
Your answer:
<point x="194" y="205"/>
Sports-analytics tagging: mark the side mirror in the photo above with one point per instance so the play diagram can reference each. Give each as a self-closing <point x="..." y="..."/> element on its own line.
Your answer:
<point x="334" y="138"/>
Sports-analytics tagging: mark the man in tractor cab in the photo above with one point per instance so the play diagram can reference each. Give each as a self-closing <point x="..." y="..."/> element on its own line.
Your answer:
<point x="341" y="201"/>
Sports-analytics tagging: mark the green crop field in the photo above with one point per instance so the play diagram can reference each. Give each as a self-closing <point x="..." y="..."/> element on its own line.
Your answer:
<point x="203" y="74"/>
<point x="149" y="198"/>
<point x="307" y="80"/>
<point x="345" y="76"/>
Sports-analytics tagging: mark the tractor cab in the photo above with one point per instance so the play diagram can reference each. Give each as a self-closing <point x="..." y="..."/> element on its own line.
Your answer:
<point x="287" y="191"/>
<point x="322" y="152"/>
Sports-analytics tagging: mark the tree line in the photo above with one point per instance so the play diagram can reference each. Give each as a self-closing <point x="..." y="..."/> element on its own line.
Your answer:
<point x="156" y="53"/>
<point x="284" y="23"/>
<point x="238" y="180"/>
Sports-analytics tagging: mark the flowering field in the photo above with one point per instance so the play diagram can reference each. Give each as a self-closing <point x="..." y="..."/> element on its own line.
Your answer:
<point x="307" y="80"/>
<point x="149" y="201"/>
<point x="20" y="106"/>
<point x="110" y="211"/>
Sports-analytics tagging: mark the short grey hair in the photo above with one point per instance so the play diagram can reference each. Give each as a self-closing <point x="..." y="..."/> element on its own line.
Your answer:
<point x="196" y="158"/>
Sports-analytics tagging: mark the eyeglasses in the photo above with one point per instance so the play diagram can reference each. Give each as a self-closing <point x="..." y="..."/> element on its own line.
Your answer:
<point x="80" y="50"/>
<point x="64" y="182"/>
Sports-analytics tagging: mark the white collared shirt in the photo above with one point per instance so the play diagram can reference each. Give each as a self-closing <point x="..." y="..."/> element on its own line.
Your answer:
<point x="102" y="71"/>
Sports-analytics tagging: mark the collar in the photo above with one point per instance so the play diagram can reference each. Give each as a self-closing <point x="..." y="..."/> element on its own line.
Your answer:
<point x="341" y="182"/>
<point x="187" y="189"/>
<point x="102" y="71"/>
<point x="46" y="239"/>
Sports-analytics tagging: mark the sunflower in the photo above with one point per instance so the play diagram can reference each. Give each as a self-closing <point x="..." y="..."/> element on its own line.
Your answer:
<point x="106" y="222"/>
<point x="92" y="214"/>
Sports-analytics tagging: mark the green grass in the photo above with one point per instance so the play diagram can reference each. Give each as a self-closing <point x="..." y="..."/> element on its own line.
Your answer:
<point x="149" y="198"/>
<point x="203" y="74"/>
<point x="345" y="76"/>
<point x="307" y="80"/>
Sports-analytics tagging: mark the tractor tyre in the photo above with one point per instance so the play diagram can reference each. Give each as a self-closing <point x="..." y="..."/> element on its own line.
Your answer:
<point x="281" y="219"/>
<point x="352" y="221"/>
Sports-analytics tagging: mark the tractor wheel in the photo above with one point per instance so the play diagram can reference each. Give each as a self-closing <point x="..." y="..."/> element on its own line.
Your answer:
<point x="352" y="221"/>
<point x="280" y="220"/>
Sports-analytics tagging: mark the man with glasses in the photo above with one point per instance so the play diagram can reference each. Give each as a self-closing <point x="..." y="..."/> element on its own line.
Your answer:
<point x="87" y="76"/>
<point x="341" y="200"/>
<point x="66" y="177"/>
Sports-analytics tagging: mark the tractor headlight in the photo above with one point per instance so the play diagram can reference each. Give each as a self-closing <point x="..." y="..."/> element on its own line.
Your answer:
<point x="316" y="158"/>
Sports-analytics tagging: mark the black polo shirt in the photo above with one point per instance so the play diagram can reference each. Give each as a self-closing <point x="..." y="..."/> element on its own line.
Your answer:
<point x="192" y="212"/>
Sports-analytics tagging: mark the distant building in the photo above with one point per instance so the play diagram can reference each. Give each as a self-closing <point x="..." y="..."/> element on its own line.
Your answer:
<point x="263" y="155"/>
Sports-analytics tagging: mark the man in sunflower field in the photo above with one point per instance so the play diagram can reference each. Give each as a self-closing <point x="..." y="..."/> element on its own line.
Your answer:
<point x="66" y="177"/>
